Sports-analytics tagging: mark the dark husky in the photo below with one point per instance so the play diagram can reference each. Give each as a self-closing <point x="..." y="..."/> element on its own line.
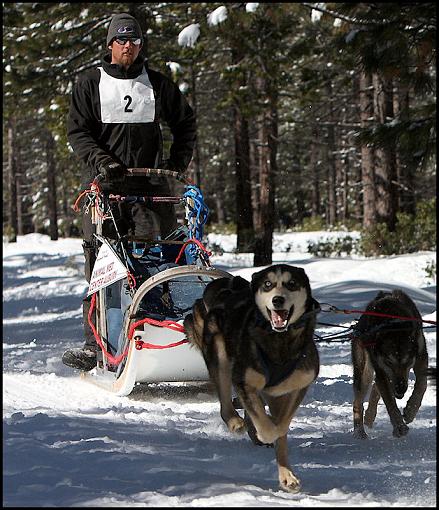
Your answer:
<point x="389" y="348"/>
<point x="258" y="337"/>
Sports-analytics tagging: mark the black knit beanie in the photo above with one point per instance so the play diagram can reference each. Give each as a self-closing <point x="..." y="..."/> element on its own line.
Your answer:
<point x="123" y="25"/>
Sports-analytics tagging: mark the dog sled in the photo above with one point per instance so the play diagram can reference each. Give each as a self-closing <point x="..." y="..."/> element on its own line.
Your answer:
<point x="142" y="289"/>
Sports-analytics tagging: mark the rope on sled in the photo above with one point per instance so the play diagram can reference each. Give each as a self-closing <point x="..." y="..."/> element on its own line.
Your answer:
<point x="140" y="344"/>
<point x="112" y="360"/>
<point x="116" y="360"/>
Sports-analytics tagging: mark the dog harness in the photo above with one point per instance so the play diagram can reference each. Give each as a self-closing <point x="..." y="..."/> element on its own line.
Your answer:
<point x="275" y="373"/>
<point x="368" y="336"/>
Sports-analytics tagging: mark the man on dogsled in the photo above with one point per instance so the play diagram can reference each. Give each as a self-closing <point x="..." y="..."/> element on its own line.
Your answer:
<point x="114" y="124"/>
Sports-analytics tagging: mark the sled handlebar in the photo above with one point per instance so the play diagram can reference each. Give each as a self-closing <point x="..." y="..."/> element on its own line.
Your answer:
<point x="132" y="172"/>
<point x="136" y="172"/>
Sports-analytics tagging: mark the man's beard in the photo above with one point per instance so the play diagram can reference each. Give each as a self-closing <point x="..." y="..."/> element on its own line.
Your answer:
<point x="127" y="58"/>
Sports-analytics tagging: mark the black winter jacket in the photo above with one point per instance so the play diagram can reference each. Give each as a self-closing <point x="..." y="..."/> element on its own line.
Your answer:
<point x="135" y="144"/>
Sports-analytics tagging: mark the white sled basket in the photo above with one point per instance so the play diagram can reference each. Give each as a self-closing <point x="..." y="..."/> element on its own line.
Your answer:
<point x="157" y="353"/>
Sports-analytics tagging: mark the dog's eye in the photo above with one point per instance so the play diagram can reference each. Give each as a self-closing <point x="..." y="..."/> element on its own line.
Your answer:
<point x="268" y="285"/>
<point x="290" y="285"/>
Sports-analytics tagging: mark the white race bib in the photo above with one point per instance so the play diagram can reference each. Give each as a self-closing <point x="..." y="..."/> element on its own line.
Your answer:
<point x="125" y="101"/>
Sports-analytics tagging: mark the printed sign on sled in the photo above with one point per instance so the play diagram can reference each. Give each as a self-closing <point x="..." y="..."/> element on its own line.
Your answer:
<point x="107" y="269"/>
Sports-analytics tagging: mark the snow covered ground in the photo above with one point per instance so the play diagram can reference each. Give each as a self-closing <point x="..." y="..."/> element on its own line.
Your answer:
<point x="68" y="443"/>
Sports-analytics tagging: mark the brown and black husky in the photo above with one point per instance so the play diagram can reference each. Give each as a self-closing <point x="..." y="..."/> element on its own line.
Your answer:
<point x="389" y="349"/>
<point x="258" y="338"/>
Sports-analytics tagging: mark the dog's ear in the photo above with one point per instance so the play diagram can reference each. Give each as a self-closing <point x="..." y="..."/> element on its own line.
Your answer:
<point x="254" y="281"/>
<point x="303" y="272"/>
<point x="382" y="294"/>
<point x="239" y="283"/>
<point x="305" y="276"/>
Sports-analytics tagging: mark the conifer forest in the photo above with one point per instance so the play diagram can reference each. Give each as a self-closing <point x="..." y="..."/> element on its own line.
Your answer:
<point x="309" y="115"/>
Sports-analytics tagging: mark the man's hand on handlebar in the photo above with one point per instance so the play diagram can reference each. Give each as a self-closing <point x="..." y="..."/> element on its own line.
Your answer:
<point x="112" y="170"/>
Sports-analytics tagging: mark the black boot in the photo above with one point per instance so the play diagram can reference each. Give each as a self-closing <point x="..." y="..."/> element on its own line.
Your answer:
<point x="82" y="359"/>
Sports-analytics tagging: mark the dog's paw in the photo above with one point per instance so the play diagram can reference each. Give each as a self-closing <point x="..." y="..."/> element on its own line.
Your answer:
<point x="360" y="434"/>
<point x="409" y="414"/>
<point x="268" y="436"/>
<point x="251" y="431"/>
<point x="253" y="436"/>
<point x="287" y="481"/>
<point x="237" y="425"/>
<point x="400" y="430"/>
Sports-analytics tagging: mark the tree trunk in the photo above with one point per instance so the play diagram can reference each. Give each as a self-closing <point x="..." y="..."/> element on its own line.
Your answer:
<point x="263" y="252"/>
<point x="367" y="153"/>
<point x="404" y="168"/>
<point x="313" y="163"/>
<point x="354" y="157"/>
<point x="218" y="195"/>
<point x="219" y="208"/>
<point x="331" y="165"/>
<point x="21" y="208"/>
<point x="244" y="214"/>
<point x="197" y="158"/>
<point x="298" y="177"/>
<point x="345" y="211"/>
<point x="12" y="180"/>
<point x="51" y="187"/>
<point x="254" y="178"/>
<point x="343" y="170"/>
<point x="385" y="167"/>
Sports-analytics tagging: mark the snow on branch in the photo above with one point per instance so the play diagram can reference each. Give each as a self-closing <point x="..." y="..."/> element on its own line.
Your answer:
<point x="189" y="35"/>
<point x="319" y="7"/>
<point x="251" y="7"/>
<point x="217" y="16"/>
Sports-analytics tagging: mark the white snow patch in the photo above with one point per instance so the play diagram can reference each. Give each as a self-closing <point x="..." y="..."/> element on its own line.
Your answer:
<point x="69" y="443"/>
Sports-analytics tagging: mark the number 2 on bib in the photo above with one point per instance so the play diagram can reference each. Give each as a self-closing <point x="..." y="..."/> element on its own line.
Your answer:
<point x="129" y="100"/>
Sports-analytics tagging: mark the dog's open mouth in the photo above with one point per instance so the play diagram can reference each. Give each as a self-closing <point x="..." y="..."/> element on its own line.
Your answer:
<point x="279" y="318"/>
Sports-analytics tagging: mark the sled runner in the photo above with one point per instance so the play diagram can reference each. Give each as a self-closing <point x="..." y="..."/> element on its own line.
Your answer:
<point x="141" y="290"/>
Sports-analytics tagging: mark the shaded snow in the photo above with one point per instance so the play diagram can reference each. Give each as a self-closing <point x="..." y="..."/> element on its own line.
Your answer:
<point x="68" y="443"/>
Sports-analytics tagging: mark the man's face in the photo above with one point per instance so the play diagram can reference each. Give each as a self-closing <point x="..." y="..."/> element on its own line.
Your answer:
<point x="124" y="54"/>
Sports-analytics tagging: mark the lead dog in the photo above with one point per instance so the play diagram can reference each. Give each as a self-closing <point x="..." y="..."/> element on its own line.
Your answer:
<point x="389" y="349"/>
<point x="258" y="338"/>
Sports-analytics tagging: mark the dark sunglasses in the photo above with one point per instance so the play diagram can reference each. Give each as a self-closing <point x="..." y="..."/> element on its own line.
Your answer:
<point x="123" y="40"/>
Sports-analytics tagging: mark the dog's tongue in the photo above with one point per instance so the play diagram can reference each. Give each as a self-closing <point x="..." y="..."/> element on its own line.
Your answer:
<point x="279" y="318"/>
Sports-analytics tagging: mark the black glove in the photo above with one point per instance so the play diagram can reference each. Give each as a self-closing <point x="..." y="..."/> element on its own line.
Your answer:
<point x="112" y="170"/>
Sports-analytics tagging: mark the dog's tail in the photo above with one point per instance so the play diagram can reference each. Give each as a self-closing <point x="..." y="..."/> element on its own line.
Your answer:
<point x="194" y="324"/>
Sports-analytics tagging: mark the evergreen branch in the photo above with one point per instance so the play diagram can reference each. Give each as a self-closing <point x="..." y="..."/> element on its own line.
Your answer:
<point x="353" y="21"/>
